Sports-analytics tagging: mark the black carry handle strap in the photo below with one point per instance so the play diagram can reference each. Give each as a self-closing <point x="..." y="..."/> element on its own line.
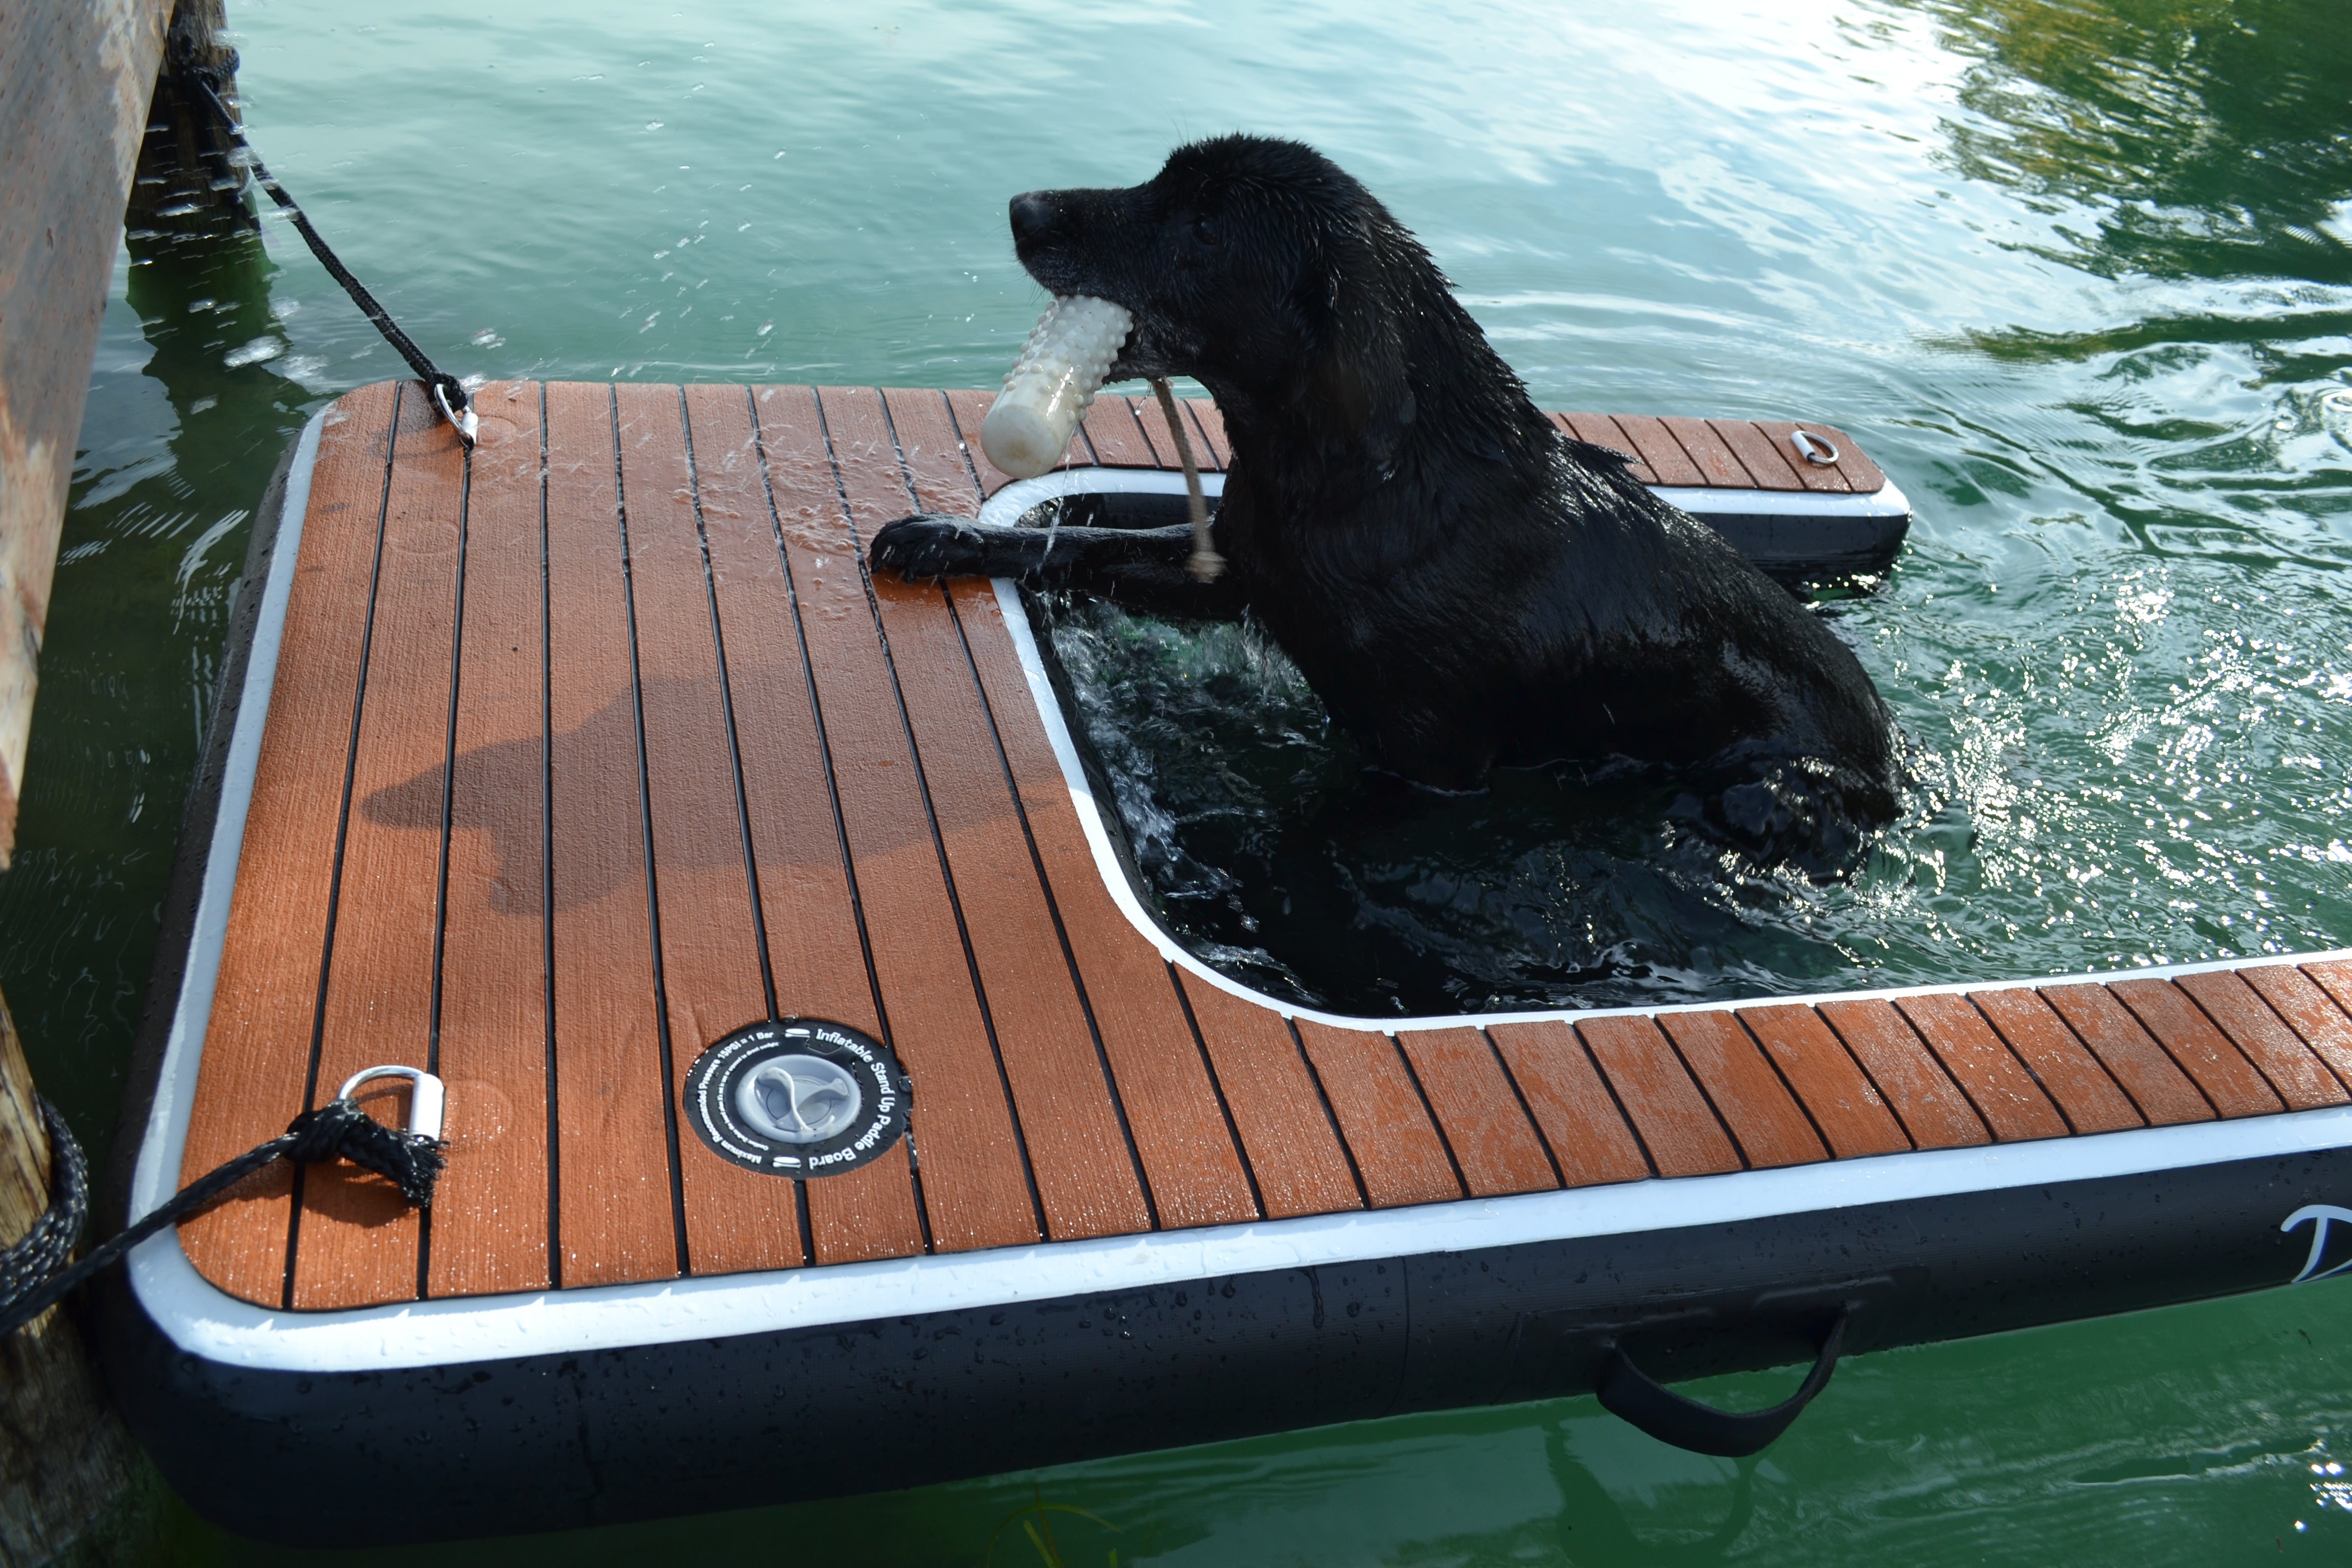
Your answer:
<point x="1635" y="1396"/>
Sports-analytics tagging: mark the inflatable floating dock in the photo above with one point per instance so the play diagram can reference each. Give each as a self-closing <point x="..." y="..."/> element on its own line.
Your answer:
<point x="828" y="1113"/>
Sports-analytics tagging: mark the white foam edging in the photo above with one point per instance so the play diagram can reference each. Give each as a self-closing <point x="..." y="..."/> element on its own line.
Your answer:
<point x="155" y="1176"/>
<point x="206" y="1322"/>
<point x="1007" y="506"/>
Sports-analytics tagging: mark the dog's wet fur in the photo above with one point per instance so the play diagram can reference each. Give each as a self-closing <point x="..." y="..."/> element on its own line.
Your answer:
<point x="1465" y="587"/>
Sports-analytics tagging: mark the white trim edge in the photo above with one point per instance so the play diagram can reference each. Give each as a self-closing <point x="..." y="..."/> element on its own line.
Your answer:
<point x="1007" y="506"/>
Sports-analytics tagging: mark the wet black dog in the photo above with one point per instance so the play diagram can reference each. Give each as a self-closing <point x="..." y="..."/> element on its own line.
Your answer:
<point x="1465" y="586"/>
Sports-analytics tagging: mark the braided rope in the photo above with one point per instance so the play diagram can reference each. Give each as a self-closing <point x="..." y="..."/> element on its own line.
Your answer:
<point x="43" y="1251"/>
<point x="338" y="1130"/>
<point x="449" y="392"/>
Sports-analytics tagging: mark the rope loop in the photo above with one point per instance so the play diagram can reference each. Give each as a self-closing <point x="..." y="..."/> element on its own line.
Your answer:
<point x="33" y="1275"/>
<point x="43" y="1251"/>
<point x="339" y="1130"/>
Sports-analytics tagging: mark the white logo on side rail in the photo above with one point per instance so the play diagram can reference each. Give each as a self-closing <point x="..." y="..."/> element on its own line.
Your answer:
<point x="2322" y="1216"/>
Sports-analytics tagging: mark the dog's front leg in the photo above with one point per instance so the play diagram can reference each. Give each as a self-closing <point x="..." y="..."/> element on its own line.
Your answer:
<point x="1143" y="567"/>
<point x="927" y="547"/>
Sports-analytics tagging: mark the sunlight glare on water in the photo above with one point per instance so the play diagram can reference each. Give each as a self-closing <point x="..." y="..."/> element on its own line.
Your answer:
<point x="2078" y="275"/>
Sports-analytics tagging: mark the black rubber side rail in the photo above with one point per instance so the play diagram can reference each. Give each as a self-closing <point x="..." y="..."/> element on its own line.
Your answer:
<point x="1633" y="1396"/>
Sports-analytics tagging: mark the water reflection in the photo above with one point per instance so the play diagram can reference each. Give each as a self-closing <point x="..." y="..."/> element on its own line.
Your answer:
<point x="2209" y="139"/>
<point x="1593" y="1527"/>
<point x="183" y="427"/>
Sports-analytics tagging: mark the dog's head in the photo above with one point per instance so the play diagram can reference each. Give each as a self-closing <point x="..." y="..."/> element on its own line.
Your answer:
<point x="1252" y="265"/>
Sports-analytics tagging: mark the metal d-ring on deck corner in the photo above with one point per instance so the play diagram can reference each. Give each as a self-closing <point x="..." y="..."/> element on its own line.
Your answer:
<point x="1816" y="449"/>
<point x="427" y="1096"/>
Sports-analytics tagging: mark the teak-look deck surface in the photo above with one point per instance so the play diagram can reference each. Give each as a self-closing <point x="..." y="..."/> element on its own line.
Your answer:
<point x="588" y="750"/>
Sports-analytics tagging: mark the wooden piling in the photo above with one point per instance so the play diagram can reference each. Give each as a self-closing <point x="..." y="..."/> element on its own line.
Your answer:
<point x="187" y="177"/>
<point x="63" y="1456"/>
<point x="73" y="95"/>
<point x="73" y="108"/>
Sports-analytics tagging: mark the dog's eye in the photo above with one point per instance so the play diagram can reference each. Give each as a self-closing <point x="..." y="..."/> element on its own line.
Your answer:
<point x="1205" y="229"/>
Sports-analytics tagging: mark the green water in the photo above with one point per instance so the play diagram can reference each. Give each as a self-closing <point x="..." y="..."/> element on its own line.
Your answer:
<point x="2080" y="276"/>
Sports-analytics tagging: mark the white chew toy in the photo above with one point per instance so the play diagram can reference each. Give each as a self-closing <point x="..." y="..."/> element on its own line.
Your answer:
<point x="1048" y="388"/>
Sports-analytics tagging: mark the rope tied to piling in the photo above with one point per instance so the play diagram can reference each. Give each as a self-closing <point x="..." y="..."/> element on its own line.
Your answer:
<point x="33" y="1272"/>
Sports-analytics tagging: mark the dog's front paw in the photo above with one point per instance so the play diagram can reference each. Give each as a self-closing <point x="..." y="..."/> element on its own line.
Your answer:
<point x="929" y="547"/>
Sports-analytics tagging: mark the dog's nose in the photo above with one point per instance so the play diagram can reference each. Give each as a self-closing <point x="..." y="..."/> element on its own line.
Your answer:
<point x="1034" y="212"/>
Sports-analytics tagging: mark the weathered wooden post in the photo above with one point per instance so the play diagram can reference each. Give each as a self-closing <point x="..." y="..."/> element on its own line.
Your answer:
<point x="63" y="1457"/>
<point x="186" y="174"/>
<point x="73" y="106"/>
<point x="74" y="97"/>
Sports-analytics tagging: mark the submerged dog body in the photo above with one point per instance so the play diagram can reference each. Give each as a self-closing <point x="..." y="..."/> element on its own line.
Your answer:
<point x="1465" y="586"/>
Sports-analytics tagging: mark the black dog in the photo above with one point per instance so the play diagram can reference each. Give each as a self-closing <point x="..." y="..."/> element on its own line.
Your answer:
<point x="1465" y="586"/>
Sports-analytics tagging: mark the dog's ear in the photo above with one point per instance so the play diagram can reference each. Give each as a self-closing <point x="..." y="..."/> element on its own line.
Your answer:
<point x="1354" y="386"/>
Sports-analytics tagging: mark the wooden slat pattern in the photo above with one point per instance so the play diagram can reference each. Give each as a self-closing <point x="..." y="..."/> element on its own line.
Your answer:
<point x="1864" y="476"/>
<point x="711" y="979"/>
<point x="1757" y="454"/>
<point x="1811" y="475"/>
<point x="1587" y="1136"/>
<point x="756" y="783"/>
<point x="1601" y="430"/>
<point x="1293" y="1149"/>
<point x="1191" y="1163"/>
<point x="1663" y="454"/>
<point x="2229" y="1080"/>
<point x="618" y="1212"/>
<point x="1933" y="1111"/>
<point x="1746" y="1092"/>
<point x="1155" y="430"/>
<point x="1994" y="1081"/>
<point x="975" y="1181"/>
<point x="1084" y="1173"/>
<point x="1116" y="438"/>
<point x="1490" y="1136"/>
<point x="2308" y="1011"/>
<point x="2154" y="1080"/>
<point x="1191" y="1166"/>
<point x="1212" y="425"/>
<point x="492" y="1210"/>
<point x="1717" y="463"/>
<point x="358" y="1237"/>
<point x="1379" y="1111"/>
<point x="2296" y="1075"/>
<point x="1844" y="1103"/>
<point x="264" y="1001"/>
<point x="2334" y="977"/>
<point x="1675" y="1124"/>
<point x="816" y="953"/>
<point x="2074" y="1077"/>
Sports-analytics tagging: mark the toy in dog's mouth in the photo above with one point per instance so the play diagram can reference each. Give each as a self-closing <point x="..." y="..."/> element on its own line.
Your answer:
<point x="1062" y="366"/>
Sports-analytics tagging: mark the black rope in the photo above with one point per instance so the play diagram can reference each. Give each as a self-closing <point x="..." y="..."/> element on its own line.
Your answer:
<point x="32" y="1277"/>
<point x="28" y="1264"/>
<point x="449" y="392"/>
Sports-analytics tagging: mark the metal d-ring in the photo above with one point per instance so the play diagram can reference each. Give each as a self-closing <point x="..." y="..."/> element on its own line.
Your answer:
<point x="461" y="418"/>
<point x="426" y="1100"/>
<point x="1814" y="448"/>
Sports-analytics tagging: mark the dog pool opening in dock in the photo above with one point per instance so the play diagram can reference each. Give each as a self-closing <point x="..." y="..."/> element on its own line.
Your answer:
<point x="1251" y="827"/>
